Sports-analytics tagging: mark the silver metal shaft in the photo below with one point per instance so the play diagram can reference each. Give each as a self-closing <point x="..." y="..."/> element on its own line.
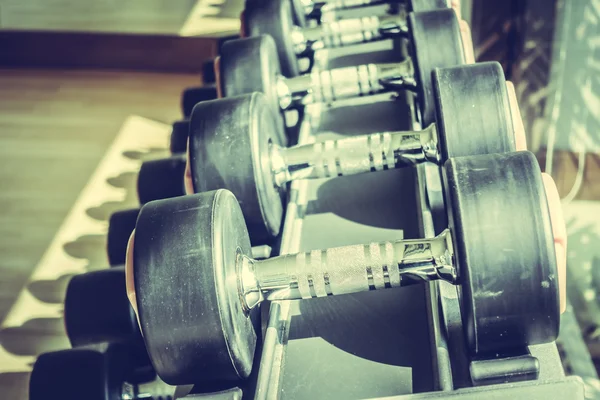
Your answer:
<point x="348" y="269"/>
<point x="342" y="83"/>
<point x="354" y="155"/>
<point x="345" y="32"/>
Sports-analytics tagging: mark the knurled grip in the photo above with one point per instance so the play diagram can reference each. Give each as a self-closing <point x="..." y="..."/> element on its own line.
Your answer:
<point x="339" y="83"/>
<point x="347" y="32"/>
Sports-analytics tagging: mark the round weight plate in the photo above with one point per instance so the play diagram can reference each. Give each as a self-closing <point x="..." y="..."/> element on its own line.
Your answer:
<point x="94" y="374"/>
<point x="97" y="309"/>
<point x="161" y="179"/>
<point x="274" y="18"/>
<point x="473" y="110"/>
<point x="250" y="65"/>
<point x="298" y="13"/>
<point x="187" y="295"/>
<point x="230" y="142"/>
<point x="435" y="43"/>
<point x="191" y="96"/>
<point x="208" y="72"/>
<point x="179" y="135"/>
<point x="504" y="249"/>
<point x="426" y="5"/>
<point x="120" y="226"/>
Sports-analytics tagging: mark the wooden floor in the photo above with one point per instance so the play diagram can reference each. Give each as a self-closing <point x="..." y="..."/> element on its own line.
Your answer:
<point x="132" y="16"/>
<point x="136" y="16"/>
<point x="54" y="128"/>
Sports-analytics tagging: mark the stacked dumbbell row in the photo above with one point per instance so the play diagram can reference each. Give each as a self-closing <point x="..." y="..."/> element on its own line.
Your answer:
<point x="239" y="143"/>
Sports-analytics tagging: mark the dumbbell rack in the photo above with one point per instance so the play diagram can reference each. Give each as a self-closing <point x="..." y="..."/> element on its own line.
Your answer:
<point x="385" y="343"/>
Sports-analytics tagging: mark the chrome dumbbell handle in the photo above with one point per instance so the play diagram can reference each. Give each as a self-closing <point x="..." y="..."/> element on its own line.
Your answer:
<point x="346" y="32"/>
<point x="348" y="269"/>
<point x="155" y="390"/>
<point x="353" y="155"/>
<point x="341" y="83"/>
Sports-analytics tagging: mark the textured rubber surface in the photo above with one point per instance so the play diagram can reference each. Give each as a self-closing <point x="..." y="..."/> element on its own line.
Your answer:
<point x="435" y="43"/>
<point x="250" y="65"/>
<point x="298" y="13"/>
<point x="97" y="309"/>
<point x="94" y="374"/>
<point x="426" y="5"/>
<point x="473" y="110"/>
<point x="504" y="248"/>
<point x="184" y="258"/>
<point x="193" y="95"/>
<point x="179" y="136"/>
<point x="274" y="18"/>
<point x="208" y="72"/>
<point x="120" y="226"/>
<point x="229" y="149"/>
<point x="161" y="179"/>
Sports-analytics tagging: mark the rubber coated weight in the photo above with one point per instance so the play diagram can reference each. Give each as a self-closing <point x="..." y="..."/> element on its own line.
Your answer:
<point x="97" y="309"/>
<point x="230" y="142"/>
<point x="93" y="374"/>
<point x="426" y="5"/>
<point x="208" y="72"/>
<point x="213" y="339"/>
<point x="504" y="249"/>
<point x="274" y="18"/>
<point x="473" y="111"/>
<point x="435" y="42"/>
<point x="191" y="96"/>
<point x="179" y="136"/>
<point x="120" y="226"/>
<point x="161" y="179"/>
<point x="298" y="13"/>
<point x="250" y="65"/>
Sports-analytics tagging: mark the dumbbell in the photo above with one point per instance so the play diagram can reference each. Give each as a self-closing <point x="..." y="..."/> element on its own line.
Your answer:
<point x="97" y="310"/>
<point x="250" y="65"/>
<point x="120" y="225"/>
<point x="193" y="95"/>
<point x="308" y="9"/>
<point x="102" y="372"/>
<point x="161" y="178"/>
<point x="242" y="72"/>
<point x="276" y="18"/>
<point x="234" y="143"/>
<point x="189" y="98"/>
<point x="498" y="249"/>
<point x="294" y="42"/>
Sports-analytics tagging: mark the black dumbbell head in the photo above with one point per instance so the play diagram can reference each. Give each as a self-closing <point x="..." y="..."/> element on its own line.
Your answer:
<point x="97" y="309"/>
<point x="473" y="110"/>
<point x="179" y="136"/>
<point x="192" y="321"/>
<point x="208" y="72"/>
<point x="161" y="179"/>
<point x="274" y="18"/>
<point x="250" y="65"/>
<point x="230" y="141"/>
<point x="93" y="374"/>
<point x="426" y="5"/>
<point x="435" y="43"/>
<point x="298" y="13"/>
<point x="504" y="249"/>
<point x="120" y="226"/>
<point x="194" y="95"/>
